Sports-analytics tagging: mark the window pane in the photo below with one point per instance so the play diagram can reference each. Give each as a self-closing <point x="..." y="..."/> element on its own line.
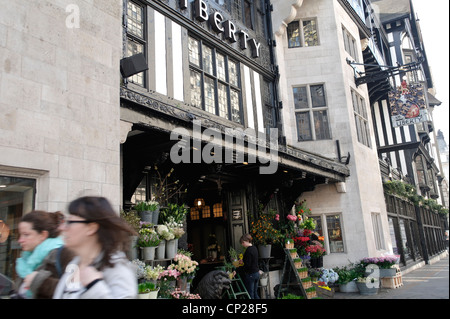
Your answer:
<point x="293" y="32"/>
<point x="221" y="67"/>
<point x="207" y="60"/>
<point x="135" y="20"/>
<point x="300" y="98"/>
<point x="210" y="100"/>
<point x="317" y="96"/>
<point x="235" y="109"/>
<point x="303" y="126"/>
<point x="233" y="73"/>
<point x="194" y="52"/>
<point x="223" y="101"/>
<point x="321" y="125"/>
<point x="335" y="234"/>
<point x="310" y="33"/>
<point x="16" y="199"/>
<point x="196" y="89"/>
<point x="133" y="48"/>
<point x="318" y="221"/>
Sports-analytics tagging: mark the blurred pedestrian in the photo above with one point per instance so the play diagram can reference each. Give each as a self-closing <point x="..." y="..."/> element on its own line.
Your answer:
<point x="99" y="238"/>
<point x="250" y="268"/>
<point x="38" y="236"/>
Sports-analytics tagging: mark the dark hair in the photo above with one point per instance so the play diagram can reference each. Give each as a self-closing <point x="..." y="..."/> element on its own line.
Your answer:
<point x="246" y="237"/>
<point x="113" y="232"/>
<point x="44" y="221"/>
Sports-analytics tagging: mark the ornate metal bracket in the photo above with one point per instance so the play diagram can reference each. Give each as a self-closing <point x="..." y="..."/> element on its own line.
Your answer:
<point x="385" y="72"/>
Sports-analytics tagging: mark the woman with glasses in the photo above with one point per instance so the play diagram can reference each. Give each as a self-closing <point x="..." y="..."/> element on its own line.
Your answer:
<point x="99" y="238"/>
<point x="38" y="237"/>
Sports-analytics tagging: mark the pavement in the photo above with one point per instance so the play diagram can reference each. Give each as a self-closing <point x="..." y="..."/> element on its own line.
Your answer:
<point x="431" y="281"/>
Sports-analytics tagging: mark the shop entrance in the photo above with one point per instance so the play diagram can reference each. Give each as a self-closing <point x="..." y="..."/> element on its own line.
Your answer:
<point x="216" y="221"/>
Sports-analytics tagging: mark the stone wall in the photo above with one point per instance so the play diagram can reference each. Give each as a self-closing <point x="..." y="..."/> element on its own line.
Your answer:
<point x="59" y="97"/>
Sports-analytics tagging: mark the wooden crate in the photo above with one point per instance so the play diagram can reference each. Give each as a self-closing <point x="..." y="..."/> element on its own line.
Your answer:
<point x="324" y="293"/>
<point x="392" y="282"/>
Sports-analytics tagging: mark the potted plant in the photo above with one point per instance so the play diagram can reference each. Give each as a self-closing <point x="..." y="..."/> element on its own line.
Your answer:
<point x="148" y="240"/>
<point x="306" y="282"/>
<point x="293" y="252"/>
<point x="302" y="272"/>
<point x="368" y="285"/>
<point x="347" y="279"/>
<point x="164" y="234"/>
<point x="292" y="296"/>
<point x="264" y="233"/>
<point x="289" y="243"/>
<point x="311" y="292"/>
<point x="147" y="290"/>
<point x="167" y="281"/>
<point x="145" y="210"/>
<point x="186" y="268"/>
<point x="264" y="279"/>
<point x="315" y="273"/>
<point x="132" y="219"/>
<point x="384" y="265"/>
<point x="298" y="262"/>
<point x="316" y="251"/>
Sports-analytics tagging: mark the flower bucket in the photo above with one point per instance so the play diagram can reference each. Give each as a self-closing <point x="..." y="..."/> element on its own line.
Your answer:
<point x="390" y="272"/>
<point x="153" y="294"/>
<point x="133" y="252"/>
<point x="349" y="287"/>
<point x="155" y="216"/>
<point x="263" y="281"/>
<point x="181" y="283"/>
<point x="148" y="253"/>
<point x="171" y="248"/>
<point x="264" y="251"/>
<point x="161" y="250"/>
<point x="316" y="262"/>
<point x="146" y="216"/>
<point x="367" y="289"/>
<point x="144" y="296"/>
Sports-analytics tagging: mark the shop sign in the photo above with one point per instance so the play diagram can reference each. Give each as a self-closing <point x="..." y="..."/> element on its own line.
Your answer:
<point x="408" y="105"/>
<point x="220" y="25"/>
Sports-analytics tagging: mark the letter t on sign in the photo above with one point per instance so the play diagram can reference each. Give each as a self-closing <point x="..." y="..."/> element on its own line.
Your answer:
<point x="201" y="11"/>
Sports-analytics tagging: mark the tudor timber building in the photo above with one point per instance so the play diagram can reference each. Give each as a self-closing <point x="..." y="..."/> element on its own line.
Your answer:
<point x="211" y="63"/>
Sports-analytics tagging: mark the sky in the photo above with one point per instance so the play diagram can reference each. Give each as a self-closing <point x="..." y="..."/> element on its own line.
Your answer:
<point x="434" y="22"/>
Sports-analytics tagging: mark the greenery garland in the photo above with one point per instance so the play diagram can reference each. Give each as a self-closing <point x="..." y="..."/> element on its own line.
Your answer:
<point x="408" y="192"/>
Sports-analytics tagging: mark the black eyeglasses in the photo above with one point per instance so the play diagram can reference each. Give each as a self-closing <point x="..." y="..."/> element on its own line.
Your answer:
<point x="69" y="222"/>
